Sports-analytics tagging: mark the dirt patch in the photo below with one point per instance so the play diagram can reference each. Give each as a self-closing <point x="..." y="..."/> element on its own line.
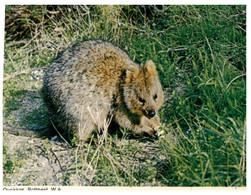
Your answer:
<point x="43" y="162"/>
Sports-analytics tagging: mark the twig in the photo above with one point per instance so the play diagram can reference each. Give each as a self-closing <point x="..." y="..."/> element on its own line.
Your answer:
<point x="19" y="73"/>
<point x="30" y="40"/>
<point x="23" y="132"/>
<point x="60" y="134"/>
<point x="108" y="157"/>
<point x="57" y="159"/>
<point x="41" y="148"/>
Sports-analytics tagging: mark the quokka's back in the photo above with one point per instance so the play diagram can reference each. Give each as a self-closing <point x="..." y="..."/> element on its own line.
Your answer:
<point x="85" y="86"/>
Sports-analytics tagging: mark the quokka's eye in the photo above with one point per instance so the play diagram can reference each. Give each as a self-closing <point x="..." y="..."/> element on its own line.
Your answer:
<point x="155" y="97"/>
<point x="142" y="101"/>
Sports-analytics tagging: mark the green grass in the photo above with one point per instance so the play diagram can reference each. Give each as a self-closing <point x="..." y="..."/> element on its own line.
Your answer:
<point x="200" y="49"/>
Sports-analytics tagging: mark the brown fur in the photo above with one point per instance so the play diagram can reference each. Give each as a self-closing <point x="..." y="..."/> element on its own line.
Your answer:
<point x="94" y="81"/>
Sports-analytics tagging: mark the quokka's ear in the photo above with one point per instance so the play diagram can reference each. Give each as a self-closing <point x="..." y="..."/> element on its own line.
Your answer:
<point x="132" y="72"/>
<point x="150" y="69"/>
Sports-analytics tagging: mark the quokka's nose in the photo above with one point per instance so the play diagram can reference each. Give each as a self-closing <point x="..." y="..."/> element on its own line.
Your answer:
<point x="151" y="113"/>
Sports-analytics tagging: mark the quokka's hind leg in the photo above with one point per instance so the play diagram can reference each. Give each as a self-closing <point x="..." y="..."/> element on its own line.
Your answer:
<point x="95" y="119"/>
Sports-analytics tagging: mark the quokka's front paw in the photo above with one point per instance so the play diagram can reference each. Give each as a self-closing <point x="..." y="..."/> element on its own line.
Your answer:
<point x="140" y="129"/>
<point x="151" y="131"/>
<point x="153" y="123"/>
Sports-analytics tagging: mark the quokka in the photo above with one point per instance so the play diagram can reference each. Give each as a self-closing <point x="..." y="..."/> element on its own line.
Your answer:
<point x="94" y="81"/>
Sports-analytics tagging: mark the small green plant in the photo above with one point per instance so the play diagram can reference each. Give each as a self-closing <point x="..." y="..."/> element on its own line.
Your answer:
<point x="11" y="162"/>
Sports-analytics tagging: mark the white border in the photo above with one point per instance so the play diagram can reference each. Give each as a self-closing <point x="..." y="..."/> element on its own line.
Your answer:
<point x="147" y="190"/>
<point x="127" y="2"/>
<point x="2" y="15"/>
